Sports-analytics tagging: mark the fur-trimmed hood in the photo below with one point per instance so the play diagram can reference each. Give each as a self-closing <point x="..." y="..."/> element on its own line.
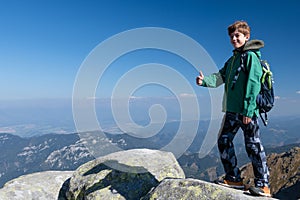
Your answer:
<point x="253" y="45"/>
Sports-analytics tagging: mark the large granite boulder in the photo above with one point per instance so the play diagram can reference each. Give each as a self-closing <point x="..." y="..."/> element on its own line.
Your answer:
<point x="127" y="174"/>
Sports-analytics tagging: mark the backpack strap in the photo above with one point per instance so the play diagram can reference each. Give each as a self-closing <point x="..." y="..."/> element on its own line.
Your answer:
<point x="264" y="120"/>
<point x="240" y="68"/>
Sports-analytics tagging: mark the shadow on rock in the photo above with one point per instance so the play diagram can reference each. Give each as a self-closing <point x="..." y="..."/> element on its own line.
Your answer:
<point x="131" y="182"/>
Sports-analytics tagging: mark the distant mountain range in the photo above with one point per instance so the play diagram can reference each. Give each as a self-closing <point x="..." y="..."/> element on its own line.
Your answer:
<point x="27" y="155"/>
<point x="37" y="150"/>
<point x="68" y="151"/>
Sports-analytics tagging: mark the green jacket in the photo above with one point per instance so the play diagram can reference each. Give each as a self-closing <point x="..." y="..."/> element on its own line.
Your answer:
<point x="241" y="99"/>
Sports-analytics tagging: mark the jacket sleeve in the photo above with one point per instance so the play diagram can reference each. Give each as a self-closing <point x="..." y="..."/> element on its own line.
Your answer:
<point x="216" y="79"/>
<point x="253" y="84"/>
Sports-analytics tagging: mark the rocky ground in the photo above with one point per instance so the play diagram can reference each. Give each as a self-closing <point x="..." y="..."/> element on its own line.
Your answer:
<point x="133" y="174"/>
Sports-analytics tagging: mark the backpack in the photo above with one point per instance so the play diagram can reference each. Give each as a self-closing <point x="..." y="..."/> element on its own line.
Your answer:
<point x="265" y="99"/>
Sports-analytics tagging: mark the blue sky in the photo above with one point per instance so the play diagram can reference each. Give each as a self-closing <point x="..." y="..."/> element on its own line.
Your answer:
<point x="43" y="43"/>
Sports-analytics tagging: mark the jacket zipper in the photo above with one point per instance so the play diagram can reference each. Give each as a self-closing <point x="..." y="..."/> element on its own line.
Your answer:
<point x="230" y="72"/>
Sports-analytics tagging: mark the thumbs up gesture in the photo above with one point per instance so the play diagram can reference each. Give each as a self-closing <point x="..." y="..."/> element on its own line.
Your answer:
<point x="199" y="79"/>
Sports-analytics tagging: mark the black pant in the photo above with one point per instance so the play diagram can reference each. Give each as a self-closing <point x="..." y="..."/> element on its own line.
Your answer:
<point x="231" y="124"/>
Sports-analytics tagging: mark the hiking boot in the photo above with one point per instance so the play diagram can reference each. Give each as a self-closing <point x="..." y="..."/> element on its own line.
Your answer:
<point x="260" y="191"/>
<point x="231" y="184"/>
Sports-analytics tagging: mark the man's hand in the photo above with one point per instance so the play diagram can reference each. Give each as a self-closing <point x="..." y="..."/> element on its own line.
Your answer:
<point x="246" y="120"/>
<point x="199" y="79"/>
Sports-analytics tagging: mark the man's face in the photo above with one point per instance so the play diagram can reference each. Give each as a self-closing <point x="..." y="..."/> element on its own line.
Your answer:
<point x="238" y="39"/>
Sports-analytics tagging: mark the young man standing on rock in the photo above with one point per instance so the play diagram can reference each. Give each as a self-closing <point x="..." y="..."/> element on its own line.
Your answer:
<point x="242" y="85"/>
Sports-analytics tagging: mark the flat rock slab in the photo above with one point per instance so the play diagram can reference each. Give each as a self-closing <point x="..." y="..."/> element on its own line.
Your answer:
<point x="41" y="185"/>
